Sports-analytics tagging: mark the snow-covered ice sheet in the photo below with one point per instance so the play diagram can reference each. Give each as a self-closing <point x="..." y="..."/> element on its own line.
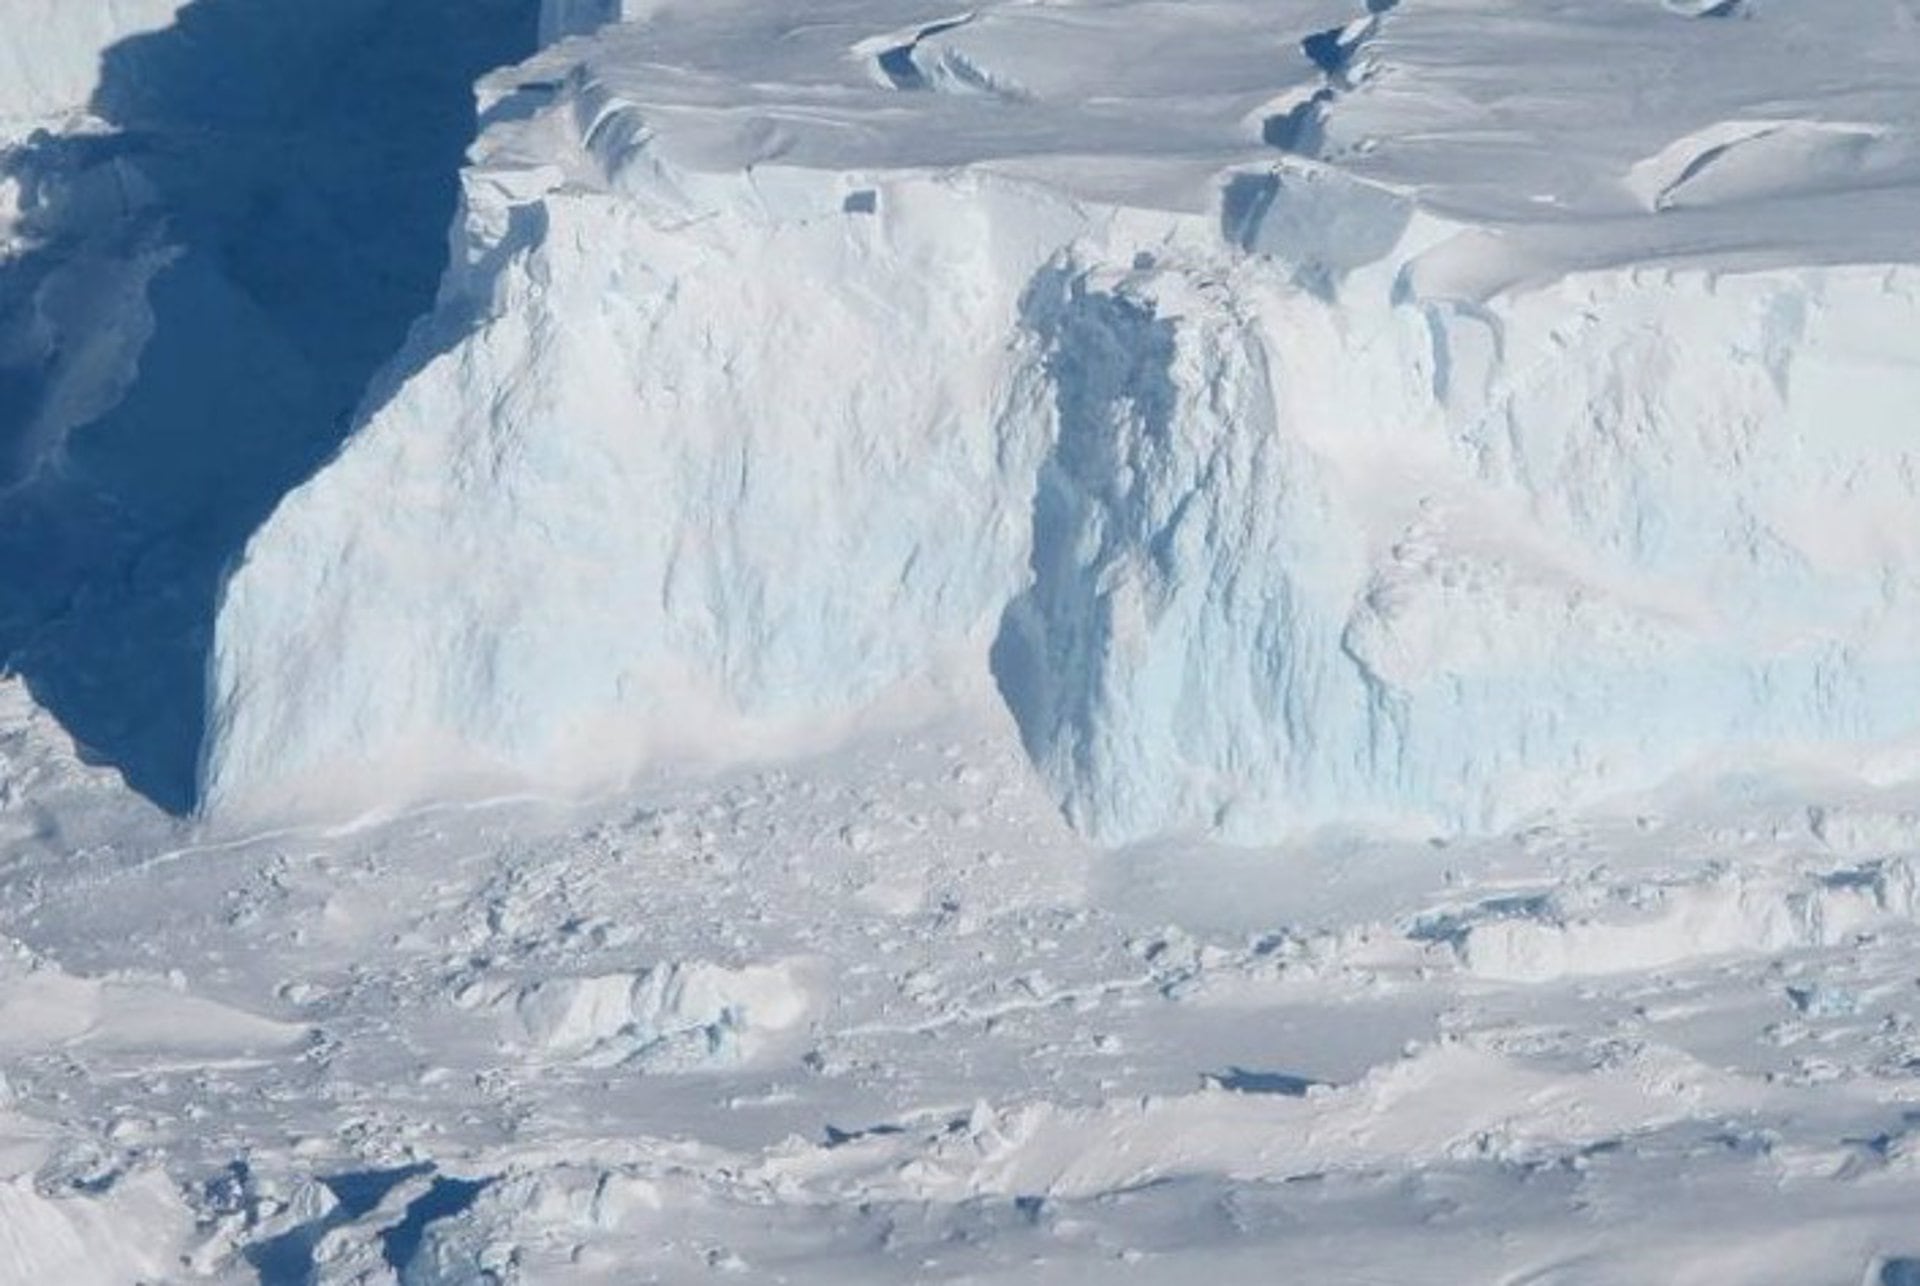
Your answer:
<point x="880" y="1016"/>
<point x="1417" y="418"/>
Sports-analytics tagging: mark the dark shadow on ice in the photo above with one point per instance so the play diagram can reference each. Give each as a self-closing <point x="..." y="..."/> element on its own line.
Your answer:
<point x="444" y="1199"/>
<point x="1238" y="1080"/>
<point x="1244" y="206"/>
<point x="837" y="1137"/>
<point x="207" y="292"/>
<point x="1109" y="360"/>
<point x="359" y="1191"/>
<point x="287" y="1260"/>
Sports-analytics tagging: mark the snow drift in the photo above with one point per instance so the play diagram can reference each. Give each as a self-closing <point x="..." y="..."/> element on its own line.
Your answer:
<point x="786" y="372"/>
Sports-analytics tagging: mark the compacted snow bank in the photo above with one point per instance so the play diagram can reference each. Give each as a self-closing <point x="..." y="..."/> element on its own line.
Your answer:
<point x="1289" y="444"/>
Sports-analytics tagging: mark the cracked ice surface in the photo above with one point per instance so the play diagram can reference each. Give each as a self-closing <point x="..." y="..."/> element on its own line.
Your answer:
<point x="1511" y="424"/>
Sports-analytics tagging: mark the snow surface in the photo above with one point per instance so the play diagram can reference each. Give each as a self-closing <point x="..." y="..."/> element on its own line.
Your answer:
<point x="880" y="1016"/>
<point x="1293" y="428"/>
<point x="50" y="54"/>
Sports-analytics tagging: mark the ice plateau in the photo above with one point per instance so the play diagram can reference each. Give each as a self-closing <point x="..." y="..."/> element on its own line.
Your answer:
<point x="1296" y="415"/>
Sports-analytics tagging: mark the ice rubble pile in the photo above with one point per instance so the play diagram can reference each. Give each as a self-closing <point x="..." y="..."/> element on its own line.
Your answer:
<point x="789" y="367"/>
<point x="675" y="1015"/>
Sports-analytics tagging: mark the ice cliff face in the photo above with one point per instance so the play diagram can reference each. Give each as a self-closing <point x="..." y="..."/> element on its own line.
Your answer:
<point x="764" y="490"/>
<point x="790" y="371"/>
<point x="1293" y="562"/>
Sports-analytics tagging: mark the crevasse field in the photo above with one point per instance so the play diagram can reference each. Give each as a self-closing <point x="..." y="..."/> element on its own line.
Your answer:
<point x="864" y="641"/>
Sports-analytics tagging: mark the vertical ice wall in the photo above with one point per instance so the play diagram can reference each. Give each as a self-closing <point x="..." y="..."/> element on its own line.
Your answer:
<point x="1297" y="563"/>
<point x="1191" y="560"/>
<point x="766" y="385"/>
<point x="1293" y="555"/>
<point x="686" y="486"/>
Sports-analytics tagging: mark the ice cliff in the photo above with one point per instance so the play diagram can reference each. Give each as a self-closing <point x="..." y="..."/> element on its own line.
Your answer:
<point x="218" y="218"/>
<point x="1287" y="426"/>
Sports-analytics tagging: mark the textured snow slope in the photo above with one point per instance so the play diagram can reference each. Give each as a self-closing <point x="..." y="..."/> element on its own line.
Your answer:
<point x="1424" y="416"/>
<point x="877" y="1016"/>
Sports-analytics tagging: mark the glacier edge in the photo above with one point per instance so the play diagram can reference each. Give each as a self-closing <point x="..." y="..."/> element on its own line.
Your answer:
<point x="1252" y="531"/>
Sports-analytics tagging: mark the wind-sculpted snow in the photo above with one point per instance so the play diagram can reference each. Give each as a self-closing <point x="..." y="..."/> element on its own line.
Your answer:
<point x="790" y="371"/>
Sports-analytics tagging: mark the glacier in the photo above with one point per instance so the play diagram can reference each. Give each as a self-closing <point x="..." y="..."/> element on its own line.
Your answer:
<point x="930" y="473"/>
<point x="1336" y="446"/>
